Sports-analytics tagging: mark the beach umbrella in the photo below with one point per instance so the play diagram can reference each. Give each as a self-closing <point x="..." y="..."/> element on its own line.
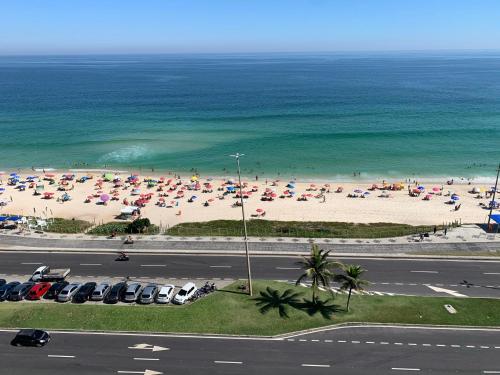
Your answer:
<point x="366" y="193"/>
<point x="211" y="200"/>
<point x="273" y="195"/>
<point x="104" y="197"/>
<point x="193" y="197"/>
<point x="2" y="190"/>
<point x="436" y="188"/>
<point x="455" y="197"/>
<point x="421" y="187"/>
<point x="259" y="210"/>
<point x="358" y="191"/>
<point x="14" y="175"/>
<point x="428" y="196"/>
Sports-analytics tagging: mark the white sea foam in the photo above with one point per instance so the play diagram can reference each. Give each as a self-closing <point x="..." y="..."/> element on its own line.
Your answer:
<point x="125" y="154"/>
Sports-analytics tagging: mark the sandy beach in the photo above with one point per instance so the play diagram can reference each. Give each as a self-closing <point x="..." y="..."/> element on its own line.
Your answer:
<point x="164" y="205"/>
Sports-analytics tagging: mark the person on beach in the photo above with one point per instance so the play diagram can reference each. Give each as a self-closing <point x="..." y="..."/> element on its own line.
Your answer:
<point x="445" y="230"/>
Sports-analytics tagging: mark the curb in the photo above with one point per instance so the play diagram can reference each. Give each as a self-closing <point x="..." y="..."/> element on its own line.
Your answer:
<point x="242" y="252"/>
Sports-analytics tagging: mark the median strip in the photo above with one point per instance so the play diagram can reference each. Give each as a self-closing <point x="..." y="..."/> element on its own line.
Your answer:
<point x="313" y="365"/>
<point x="60" y="356"/>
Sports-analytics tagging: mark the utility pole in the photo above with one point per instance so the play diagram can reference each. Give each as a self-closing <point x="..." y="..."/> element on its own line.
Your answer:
<point x="492" y="203"/>
<point x="249" y="273"/>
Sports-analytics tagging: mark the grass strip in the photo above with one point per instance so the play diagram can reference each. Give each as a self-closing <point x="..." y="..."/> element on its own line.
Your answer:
<point x="230" y="312"/>
<point x="309" y="229"/>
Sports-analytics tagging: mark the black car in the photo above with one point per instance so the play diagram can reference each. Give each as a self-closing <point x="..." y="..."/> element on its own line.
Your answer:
<point x="6" y="288"/>
<point x="55" y="289"/>
<point x="2" y="282"/>
<point x="20" y="291"/>
<point x="116" y="293"/>
<point x="84" y="293"/>
<point x="31" y="337"/>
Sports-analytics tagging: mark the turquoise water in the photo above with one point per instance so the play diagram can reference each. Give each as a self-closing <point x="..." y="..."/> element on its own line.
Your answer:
<point x="297" y="115"/>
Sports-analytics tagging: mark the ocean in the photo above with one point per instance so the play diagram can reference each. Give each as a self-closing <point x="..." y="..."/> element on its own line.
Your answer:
<point x="310" y="116"/>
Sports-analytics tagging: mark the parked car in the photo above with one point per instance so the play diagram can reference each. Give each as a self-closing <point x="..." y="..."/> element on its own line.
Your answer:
<point x="2" y="282"/>
<point x="132" y="293"/>
<point x="38" y="291"/>
<point x="55" y="289"/>
<point x="117" y="293"/>
<point x="68" y="292"/>
<point x="6" y="288"/>
<point x="100" y="291"/>
<point x="148" y="294"/>
<point x="185" y="293"/>
<point x="165" y="294"/>
<point x="20" y="291"/>
<point x="31" y="337"/>
<point x="83" y="294"/>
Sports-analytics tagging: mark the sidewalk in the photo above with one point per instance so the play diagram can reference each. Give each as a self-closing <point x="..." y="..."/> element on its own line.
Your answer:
<point x="465" y="239"/>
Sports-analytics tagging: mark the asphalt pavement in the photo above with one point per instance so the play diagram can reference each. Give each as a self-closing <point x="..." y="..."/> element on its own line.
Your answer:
<point x="399" y="276"/>
<point x="347" y="351"/>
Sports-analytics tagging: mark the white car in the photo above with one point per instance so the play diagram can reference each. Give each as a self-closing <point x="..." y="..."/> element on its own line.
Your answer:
<point x="165" y="294"/>
<point x="185" y="293"/>
<point x="68" y="292"/>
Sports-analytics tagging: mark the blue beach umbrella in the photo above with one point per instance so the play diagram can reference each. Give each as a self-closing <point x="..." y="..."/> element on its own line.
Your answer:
<point x="13" y="175"/>
<point x="455" y="197"/>
<point x="231" y="188"/>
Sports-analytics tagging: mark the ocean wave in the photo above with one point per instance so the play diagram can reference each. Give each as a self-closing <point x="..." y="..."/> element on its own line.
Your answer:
<point x="125" y="154"/>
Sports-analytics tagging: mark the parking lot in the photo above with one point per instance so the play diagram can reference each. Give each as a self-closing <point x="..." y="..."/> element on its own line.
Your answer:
<point x="38" y="293"/>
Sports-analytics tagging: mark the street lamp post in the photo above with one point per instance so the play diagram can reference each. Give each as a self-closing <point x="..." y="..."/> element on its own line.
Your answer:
<point x="492" y="203"/>
<point x="249" y="273"/>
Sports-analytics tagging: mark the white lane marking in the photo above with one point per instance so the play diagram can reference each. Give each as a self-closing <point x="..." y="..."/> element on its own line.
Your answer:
<point x="425" y="271"/>
<point x="313" y="365"/>
<point x="145" y="372"/>
<point x="288" y="268"/>
<point x="31" y="263"/>
<point x="153" y="265"/>
<point x="447" y="291"/>
<point x="90" y="264"/>
<point x="220" y="266"/>
<point x="484" y="273"/>
<point x="153" y="348"/>
<point x="491" y="372"/>
<point x="229" y="362"/>
<point x="60" y="356"/>
<point x="404" y="369"/>
<point x="146" y="359"/>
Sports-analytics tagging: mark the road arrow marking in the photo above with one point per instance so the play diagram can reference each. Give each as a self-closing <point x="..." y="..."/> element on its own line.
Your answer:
<point x="153" y="348"/>
<point x="448" y="291"/>
<point x="145" y="372"/>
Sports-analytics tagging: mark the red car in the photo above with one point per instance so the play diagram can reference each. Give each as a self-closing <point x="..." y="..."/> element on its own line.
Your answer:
<point x="38" y="291"/>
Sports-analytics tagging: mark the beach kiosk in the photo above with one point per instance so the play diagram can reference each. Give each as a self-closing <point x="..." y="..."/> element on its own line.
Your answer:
<point x="128" y="212"/>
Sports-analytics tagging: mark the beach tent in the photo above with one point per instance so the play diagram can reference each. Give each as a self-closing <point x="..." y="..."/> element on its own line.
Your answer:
<point x="495" y="218"/>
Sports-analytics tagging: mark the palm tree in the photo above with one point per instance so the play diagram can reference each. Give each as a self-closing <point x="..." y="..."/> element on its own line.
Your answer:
<point x="351" y="280"/>
<point x="273" y="299"/>
<point x="318" y="269"/>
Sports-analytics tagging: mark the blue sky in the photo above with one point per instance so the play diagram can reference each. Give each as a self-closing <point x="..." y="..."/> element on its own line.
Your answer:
<point x="156" y="26"/>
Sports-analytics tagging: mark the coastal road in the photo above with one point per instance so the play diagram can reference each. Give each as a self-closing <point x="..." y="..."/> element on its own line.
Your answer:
<point x="401" y="276"/>
<point x="347" y="351"/>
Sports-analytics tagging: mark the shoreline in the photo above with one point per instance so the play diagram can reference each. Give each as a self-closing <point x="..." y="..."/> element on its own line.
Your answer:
<point x="362" y="178"/>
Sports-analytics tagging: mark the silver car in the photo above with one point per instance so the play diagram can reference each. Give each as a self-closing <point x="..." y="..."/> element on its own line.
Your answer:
<point x="68" y="292"/>
<point x="165" y="294"/>
<point x="149" y="293"/>
<point x="133" y="292"/>
<point x="100" y="292"/>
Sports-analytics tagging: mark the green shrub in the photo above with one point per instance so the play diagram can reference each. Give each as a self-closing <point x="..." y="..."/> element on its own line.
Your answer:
<point x="59" y="225"/>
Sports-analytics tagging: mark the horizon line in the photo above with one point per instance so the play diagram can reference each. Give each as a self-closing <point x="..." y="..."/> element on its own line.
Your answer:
<point x="388" y="51"/>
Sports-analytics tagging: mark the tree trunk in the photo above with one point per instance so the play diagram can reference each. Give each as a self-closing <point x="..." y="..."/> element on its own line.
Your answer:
<point x="349" y="298"/>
